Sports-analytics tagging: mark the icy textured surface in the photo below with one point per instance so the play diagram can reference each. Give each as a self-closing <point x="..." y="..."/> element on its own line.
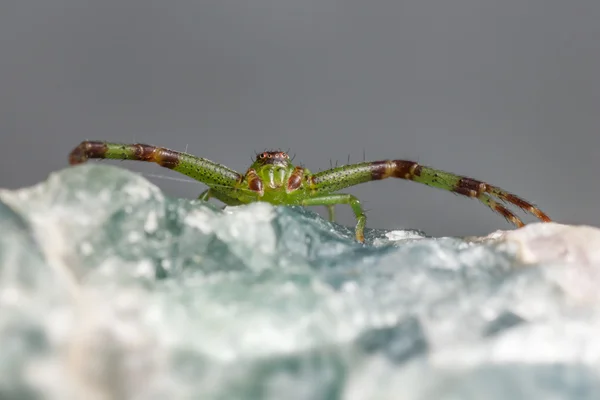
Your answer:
<point x="110" y="290"/>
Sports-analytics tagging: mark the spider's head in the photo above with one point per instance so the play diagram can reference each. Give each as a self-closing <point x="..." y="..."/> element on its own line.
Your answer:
<point x="273" y="168"/>
<point x="275" y="158"/>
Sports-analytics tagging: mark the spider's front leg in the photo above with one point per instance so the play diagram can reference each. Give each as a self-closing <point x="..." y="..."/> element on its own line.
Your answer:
<point x="345" y="176"/>
<point x="330" y="200"/>
<point x="224" y="184"/>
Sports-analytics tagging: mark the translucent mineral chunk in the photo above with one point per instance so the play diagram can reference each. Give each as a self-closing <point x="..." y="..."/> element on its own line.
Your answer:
<point x="109" y="289"/>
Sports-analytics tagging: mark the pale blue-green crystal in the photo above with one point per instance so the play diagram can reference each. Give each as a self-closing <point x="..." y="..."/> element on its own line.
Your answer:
<point x="111" y="289"/>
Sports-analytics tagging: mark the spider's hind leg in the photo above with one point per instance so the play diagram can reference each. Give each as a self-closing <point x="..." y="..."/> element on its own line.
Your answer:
<point x="205" y="196"/>
<point x="331" y="212"/>
<point x="221" y="196"/>
<point x="330" y="200"/>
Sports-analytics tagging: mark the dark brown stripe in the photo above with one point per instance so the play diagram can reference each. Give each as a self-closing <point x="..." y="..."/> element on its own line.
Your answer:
<point x="405" y="169"/>
<point x="164" y="157"/>
<point x="167" y="158"/>
<point x="144" y="152"/>
<point x="295" y="179"/>
<point x="379" y="170"/>
<point x="86" y="150"/>
<point x="465" y="192"/>
<point x="254" y="182"/>
<point x="418" y="169"/>
<point x="472" y="184"/>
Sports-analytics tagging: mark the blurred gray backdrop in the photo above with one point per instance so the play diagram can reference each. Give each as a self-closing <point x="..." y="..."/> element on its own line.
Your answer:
<point x="507" y="91"/>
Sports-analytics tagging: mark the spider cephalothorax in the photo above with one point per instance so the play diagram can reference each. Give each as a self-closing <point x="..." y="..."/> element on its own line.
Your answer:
<point x="274" y="179"/>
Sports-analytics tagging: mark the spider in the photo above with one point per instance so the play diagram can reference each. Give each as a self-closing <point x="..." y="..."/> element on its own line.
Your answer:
<point x="274" y="179"/>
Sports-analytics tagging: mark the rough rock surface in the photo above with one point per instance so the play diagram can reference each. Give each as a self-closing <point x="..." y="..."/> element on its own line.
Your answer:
<point x="111" y="290"/>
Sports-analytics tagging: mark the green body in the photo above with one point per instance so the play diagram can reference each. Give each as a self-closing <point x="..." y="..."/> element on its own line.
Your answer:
<point x="274" y="179"/>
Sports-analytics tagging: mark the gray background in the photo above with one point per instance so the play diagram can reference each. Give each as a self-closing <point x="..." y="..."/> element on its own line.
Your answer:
<point x="506" y="91"/>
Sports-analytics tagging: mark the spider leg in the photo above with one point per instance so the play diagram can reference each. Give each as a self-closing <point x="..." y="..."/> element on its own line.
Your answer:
<point x="331" y="212"/>
<point x="225" y="196"/>
<point x="500" y="209"/>
<point x="349" y="175"/>
<point x="200" y="169"/>
<point x="205" y="196"/>
<point x="332" y="199"/>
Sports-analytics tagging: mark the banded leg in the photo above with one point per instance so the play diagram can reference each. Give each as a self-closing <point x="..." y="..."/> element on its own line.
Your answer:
<point x="331" y="200"/>
<point x="200" y="169"/>
<point x="349" y="175"/>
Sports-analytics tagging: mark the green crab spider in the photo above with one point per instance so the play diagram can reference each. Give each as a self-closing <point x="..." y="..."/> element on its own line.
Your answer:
<point x="273" y="178"/>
